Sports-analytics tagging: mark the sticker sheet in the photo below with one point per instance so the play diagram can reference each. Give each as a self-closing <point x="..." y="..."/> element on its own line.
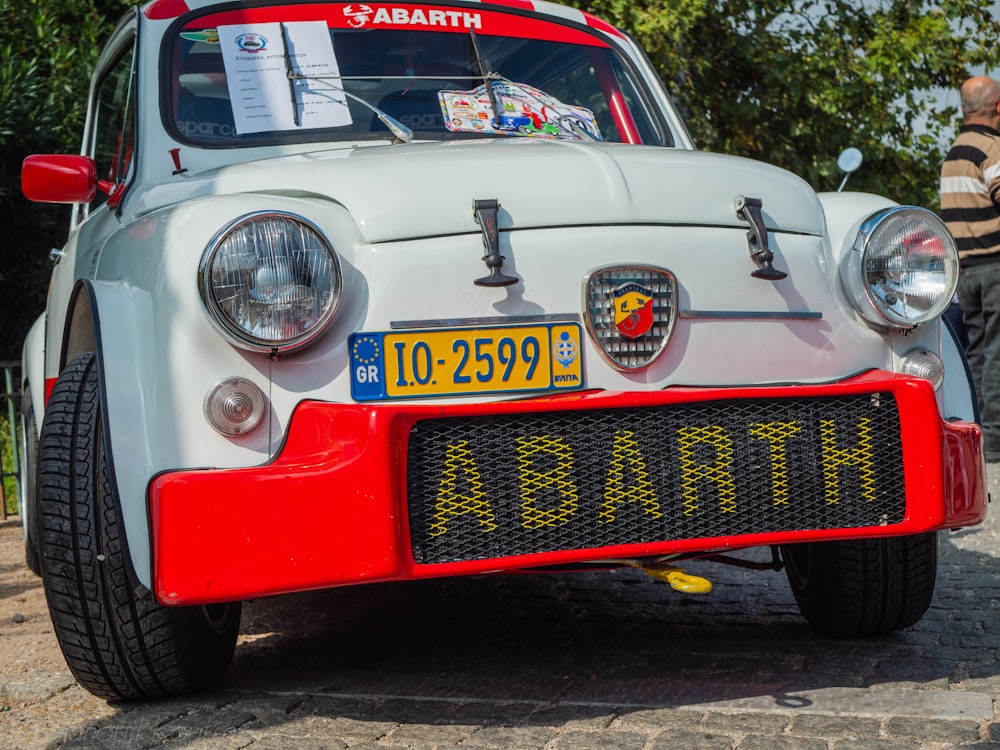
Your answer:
<point x="524" y="110"/>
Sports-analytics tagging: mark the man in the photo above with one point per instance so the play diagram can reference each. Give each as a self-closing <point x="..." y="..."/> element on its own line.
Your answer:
<point x="970" y="204"/>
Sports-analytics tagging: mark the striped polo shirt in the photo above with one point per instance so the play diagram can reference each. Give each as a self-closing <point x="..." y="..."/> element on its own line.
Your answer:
<point x="970" y="194"/>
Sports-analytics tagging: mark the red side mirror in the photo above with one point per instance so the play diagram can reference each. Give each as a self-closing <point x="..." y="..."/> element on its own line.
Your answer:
<point x="59" y="178"/>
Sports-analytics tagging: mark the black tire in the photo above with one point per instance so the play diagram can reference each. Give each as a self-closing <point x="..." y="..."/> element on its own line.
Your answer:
<point x="863" y="587"/>
<point x="119" y="643"/>
<point x="29" y="468"/>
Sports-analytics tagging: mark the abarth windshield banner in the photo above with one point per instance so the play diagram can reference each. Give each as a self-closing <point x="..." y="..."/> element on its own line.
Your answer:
<point x="411" y="17"/>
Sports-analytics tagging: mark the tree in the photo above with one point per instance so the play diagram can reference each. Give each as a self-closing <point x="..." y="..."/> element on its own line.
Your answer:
<point x="47" y="50"/>
<point x="793" y="82"/>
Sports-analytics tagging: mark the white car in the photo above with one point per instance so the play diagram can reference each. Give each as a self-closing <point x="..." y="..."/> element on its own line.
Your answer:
<point x="359" y="293"/>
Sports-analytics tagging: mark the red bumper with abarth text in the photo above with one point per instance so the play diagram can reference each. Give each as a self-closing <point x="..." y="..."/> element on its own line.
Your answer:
<point x="365" y="493"/>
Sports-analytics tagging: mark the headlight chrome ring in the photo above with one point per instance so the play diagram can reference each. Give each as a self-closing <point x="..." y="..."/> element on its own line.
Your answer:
<point x="903" y="268"/>
<point x="270" y="281"/>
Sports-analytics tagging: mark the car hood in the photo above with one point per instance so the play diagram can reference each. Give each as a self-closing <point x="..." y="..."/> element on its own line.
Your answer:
<point x="427" y="189"/>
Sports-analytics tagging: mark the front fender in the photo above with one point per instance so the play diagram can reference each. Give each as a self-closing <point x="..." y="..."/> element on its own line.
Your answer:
<point x="958" y="393"/>
<point x="845" y="212"/>
<point x="120" y="321"/>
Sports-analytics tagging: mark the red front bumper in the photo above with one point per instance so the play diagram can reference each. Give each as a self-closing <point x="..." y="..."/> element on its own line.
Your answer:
<point x="331" y="509"/>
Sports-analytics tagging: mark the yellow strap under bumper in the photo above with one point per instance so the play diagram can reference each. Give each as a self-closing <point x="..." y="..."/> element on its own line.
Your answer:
<point x="677" y="578"/>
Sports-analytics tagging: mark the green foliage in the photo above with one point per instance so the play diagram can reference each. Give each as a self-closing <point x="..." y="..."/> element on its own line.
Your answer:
<point x="40" y="76"/>
<point x="8" y="462"/>
<point x="793" y="82"/>
<point x="47" y="51"/>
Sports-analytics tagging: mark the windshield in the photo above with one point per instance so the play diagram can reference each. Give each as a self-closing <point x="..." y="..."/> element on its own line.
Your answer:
<point x="332" y="71"/>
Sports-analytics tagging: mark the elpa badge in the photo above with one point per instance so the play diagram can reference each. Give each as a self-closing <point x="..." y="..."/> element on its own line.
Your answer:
<point x="633" y="304"/>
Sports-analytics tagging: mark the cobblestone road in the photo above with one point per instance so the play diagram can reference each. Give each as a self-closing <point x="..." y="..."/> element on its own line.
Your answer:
<point x="567" y="662"/>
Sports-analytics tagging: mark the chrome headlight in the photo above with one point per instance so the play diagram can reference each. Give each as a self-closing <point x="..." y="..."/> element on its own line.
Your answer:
<point x="270" y="281"/>
<point x="903" y="268"/>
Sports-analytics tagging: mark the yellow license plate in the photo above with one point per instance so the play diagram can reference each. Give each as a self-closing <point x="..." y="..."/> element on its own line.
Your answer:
<point x="465" y="361"/>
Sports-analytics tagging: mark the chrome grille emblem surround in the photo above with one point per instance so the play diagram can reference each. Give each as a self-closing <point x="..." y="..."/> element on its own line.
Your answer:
<point x="630" y="313"/>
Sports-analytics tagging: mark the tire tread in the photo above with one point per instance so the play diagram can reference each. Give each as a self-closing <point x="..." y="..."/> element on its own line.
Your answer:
<point x="864" y="587"/>
<point x="119" y="644"/>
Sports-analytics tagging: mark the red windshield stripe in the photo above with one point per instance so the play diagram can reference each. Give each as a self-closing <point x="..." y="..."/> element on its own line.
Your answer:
<point x="423" y="17"/>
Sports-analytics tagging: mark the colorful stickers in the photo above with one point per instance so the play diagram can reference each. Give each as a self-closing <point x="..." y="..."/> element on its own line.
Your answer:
<point x="521" y="110"/>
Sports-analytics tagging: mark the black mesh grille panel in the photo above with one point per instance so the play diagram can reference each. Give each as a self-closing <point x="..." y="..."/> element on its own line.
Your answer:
<point x="501" y="485"/>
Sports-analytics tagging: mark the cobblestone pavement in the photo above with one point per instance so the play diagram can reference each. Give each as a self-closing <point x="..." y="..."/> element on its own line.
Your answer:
<point x="554" y="662"/>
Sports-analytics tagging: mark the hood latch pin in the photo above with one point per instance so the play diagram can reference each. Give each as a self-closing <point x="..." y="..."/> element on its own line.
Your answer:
<point x="486" y="216"/>
<point x="748" y="210"/>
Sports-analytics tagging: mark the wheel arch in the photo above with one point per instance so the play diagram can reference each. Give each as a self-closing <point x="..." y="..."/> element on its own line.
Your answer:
<point x="109" y="319"/>
<point x="958" y="392"/>
<point x="80" y="334"/>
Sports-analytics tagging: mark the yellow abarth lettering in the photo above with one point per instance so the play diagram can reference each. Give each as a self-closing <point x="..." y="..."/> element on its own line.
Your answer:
<point x="557" y="479"/>
<point x="460" y="464"/>
<point x="861" y="456"/>
<point x="625" y="452"/>
<point x="777" y="434"/>
<point x="720" y="472"/>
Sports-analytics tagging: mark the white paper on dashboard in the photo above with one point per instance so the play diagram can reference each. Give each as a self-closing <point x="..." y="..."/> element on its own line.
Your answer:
<point x="263" y="96"/>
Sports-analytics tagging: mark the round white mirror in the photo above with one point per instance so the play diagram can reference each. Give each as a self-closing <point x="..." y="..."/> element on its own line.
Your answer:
<point x="849" y="159"/>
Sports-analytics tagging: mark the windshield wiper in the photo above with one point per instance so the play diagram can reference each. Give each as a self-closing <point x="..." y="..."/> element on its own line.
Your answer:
<point x="488" y="77"/>
<point x="403" y="134"/>
<point x="289" y="72"/>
